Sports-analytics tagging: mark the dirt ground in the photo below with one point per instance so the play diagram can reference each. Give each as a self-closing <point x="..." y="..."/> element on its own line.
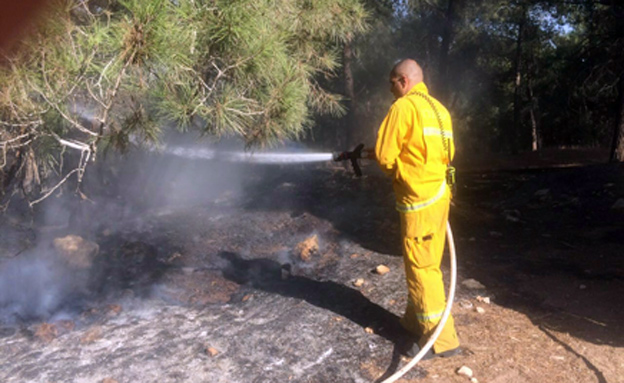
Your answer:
<point x="276" y="283"/>
<point x="543" y="235"/>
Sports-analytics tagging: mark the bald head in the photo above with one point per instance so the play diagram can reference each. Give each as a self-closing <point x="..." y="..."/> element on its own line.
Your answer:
<point x="408" y="68"/>
<point x="405" y="74"/>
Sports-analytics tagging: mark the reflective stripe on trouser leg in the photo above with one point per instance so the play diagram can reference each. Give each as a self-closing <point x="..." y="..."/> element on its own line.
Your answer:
<point x="423" y="237"/>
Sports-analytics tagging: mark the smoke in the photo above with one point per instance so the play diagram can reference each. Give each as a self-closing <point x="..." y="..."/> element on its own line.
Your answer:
<point x="38" y="284"/>
<point x="121" y="193"/>
<point x="121" y="188"/>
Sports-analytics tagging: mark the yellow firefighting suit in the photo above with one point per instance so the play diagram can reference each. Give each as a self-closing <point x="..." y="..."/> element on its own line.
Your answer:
<point x="415" y="150"/>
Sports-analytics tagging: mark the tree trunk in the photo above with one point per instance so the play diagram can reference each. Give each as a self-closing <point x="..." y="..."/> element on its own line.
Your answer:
<point x="617" y="148"/>
<point x="347" y="54"/>
<point x="517" y="102"/>
<point x="536" y="139"/>
<point x="447" y="37"/>
<point x="535" y="145"/>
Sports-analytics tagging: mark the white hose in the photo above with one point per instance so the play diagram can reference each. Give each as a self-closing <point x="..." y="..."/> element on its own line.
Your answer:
<point x="447" y="311"/>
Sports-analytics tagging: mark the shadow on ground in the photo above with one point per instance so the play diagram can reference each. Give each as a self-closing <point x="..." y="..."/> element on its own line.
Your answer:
<point x="546" y="242"/>
<point x="271" y="276"/>
<point x="268" y="275"/>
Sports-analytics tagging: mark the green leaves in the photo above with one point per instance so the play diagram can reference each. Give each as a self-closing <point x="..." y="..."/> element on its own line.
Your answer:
<point x="260" y="59"/>
<point x="106" y="73"/>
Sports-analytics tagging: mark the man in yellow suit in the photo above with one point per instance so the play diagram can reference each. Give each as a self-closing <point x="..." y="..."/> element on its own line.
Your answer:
<point x="414" y="147"/>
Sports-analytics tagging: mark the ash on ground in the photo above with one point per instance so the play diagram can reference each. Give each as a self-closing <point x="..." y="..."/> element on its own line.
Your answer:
<point x="222" y="292"/>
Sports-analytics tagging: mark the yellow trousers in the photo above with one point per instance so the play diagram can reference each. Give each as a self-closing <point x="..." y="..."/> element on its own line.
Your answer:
<point x="423" y="235"/>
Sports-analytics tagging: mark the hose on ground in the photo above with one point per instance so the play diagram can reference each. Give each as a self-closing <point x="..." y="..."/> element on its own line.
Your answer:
<point x="447" y="311"/>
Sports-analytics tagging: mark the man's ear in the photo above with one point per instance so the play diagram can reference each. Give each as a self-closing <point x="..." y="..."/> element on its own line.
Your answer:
<point x="403" y="81"/>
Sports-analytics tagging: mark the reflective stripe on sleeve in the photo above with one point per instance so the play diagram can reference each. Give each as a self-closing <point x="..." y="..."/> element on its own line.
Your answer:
<point x="403" y="208"/>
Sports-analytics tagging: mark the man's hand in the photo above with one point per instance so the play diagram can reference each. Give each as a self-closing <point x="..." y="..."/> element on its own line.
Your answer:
<point x="369" y="154"/>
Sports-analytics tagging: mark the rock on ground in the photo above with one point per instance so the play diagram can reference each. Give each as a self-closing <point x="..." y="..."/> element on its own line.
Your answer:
<point x="76" y="251"/>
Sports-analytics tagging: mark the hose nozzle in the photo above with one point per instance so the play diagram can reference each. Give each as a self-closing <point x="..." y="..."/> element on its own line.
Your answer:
<point x="352" y="156"/>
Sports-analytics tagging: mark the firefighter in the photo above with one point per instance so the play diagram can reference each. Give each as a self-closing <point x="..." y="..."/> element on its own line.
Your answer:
<point x="414" y="147"/>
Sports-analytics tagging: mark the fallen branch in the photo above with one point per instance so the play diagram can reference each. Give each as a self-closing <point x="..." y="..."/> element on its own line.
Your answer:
<point x="49" y="192"/>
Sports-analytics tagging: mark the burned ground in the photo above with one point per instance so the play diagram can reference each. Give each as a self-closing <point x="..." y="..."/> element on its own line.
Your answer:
<point x="216" y="291"/>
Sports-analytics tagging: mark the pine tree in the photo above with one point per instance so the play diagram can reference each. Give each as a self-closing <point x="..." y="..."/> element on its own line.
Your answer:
<point x="102" y="74"/>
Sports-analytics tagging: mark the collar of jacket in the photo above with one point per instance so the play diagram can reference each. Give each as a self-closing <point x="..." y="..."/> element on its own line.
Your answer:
<point x="420" y="87"/>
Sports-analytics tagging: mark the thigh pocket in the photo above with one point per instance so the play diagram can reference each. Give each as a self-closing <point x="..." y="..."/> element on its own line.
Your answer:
<point x="420" y="251"/>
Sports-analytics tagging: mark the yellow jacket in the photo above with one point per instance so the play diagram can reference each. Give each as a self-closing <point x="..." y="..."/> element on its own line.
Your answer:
<point x="411" y="150"/>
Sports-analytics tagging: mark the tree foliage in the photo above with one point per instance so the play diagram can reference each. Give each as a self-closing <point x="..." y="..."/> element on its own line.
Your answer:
<point x="515" y="74"/>
<point x="96" y="74"/>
